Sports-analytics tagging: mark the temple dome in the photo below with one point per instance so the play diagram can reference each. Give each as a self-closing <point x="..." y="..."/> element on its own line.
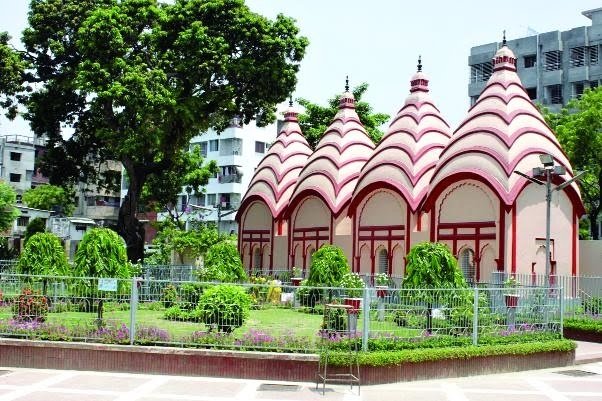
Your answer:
<point x="332" y="170"/>
<point x="502" y="133"/>
<point x="277" y="173"/>
<point x="405" y="158"/>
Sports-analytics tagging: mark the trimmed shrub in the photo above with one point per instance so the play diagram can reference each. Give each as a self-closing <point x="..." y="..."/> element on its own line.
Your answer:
<point x="225" y="307"/>
<point x="354" y="285"/>
<point x="328" y="266"/>
<point x="43" y="255"/>
<point x="169" y="295"/>
<point x="35" y="226"/>
<point x="222" y="263"/>
<point x="101" y="253"/>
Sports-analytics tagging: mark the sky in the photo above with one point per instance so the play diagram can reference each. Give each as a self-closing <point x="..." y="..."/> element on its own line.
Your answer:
<point x="378" y="42"/>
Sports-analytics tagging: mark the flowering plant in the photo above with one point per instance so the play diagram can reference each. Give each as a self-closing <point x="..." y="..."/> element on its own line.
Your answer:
<point x="381" y="279"/>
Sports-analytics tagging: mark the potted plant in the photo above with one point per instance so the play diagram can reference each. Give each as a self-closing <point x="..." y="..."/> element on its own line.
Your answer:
<point x="354" y="287"/>
<point x="381" y="280"/>
<point x="511" y="294"/>
<point x="296" y="277"/>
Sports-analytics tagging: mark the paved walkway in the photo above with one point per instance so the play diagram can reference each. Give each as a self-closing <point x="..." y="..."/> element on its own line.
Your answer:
<point x="576" y="383"/>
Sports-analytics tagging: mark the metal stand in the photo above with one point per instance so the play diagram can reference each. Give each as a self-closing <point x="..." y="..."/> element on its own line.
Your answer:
<point x="353" y="375"/>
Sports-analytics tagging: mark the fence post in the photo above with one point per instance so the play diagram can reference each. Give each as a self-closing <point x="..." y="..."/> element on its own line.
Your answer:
<point x="475" y="316"/>
<point x="366" y="325"/>
<point x="133" y="309"/>
<point x="561" y="304"/>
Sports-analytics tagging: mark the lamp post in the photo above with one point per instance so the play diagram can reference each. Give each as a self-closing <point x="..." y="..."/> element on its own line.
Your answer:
<point x="548" y="171"/>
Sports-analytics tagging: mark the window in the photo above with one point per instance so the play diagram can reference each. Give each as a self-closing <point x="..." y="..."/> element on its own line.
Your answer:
<point x="213" y="145"/>
<point x="530" y="61"/>
<point x="211" y="200"/>
<point x="467" y="264"/>
<point x="532" y="92"/>
<point x="473" y="100"/>
<point x="480" y="72"/>
<point x="259" y="147"/>
<point x="554" y="94"/>
<point x="15" y="156"/>
<point x="383" y="261"/>
<point x="553" y="60"/>
<point x="15" y="177"/>
<point x="257" y="258"/>
<point x="577" y="56"/>
<point x="593" y="84"/>
<point x="592" y="52"/>
<point x="203" y="146"/>
<point x="22" y="221"/>
<point x="578" y="88"/>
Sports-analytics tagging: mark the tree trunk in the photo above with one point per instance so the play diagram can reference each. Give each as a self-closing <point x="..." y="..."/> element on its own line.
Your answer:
<point x="593" y="225"/>
<point x="128" y="225"/>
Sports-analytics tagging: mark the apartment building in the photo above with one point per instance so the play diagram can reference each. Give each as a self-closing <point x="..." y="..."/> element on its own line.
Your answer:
<point x="553" y="66"/>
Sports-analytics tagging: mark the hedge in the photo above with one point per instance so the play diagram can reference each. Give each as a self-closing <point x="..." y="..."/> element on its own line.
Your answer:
<point x="387" y="358"/>
<point x="584" y="324"/>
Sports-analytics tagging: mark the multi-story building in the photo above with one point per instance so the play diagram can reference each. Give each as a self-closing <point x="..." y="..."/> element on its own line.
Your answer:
<point x="553" y="66"/>
<point x="17" y="160"/>
<point x="99" y="204"/>
<point x="237" y="151"/>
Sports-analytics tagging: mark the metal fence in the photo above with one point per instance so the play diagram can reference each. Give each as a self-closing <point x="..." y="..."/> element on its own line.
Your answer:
<point x="281" y="318"/>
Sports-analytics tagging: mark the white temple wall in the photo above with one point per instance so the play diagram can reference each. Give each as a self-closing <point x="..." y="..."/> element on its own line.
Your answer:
<point x="467" y="220"/>
<point x="255" y="246"/>
<point x="280" y="253"/>
<point x="531" y="231"/>
<point x="310" y="229"/>
<point x="386" y="209"/>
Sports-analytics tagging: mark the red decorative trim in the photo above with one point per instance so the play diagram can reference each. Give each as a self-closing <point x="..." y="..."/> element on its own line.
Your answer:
<point x="354" y="268"/>
<point x="272" y="248"/>
<point x="502" y="240"/>
<point x="468" y="224"/>
<point x="418" y="117"/>
<point x="358" y="197"/>
<point x="408" y="231"/>
<point x="476" y="175"/>
<point x="381" y="237"/>
<point x="514" y="239"/>
<point x="382" y="228"/>
<point x="405" y="148"/>
<point x="419" y="221"/>
<point x="574" y="244"/>
<point x="432" y="212"/>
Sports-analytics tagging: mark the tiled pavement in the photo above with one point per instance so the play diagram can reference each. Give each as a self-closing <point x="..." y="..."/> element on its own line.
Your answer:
<point x="581" y="382"/>
<point x="542" y="385"/>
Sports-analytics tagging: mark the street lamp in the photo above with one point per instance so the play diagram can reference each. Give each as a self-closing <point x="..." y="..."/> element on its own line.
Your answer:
<point x="547" y="171"/>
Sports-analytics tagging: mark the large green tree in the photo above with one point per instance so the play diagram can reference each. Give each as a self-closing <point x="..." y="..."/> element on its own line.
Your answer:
<point x="49" y="197"/>
<point x="578" y="127"/>
<point x="8" y="211"/>
<point x="316" y="118"/>
<point x="191" y="173"/>
<point x="135" y="80"/>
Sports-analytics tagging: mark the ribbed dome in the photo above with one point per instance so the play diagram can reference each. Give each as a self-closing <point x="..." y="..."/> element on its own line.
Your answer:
<point x="503" y="132"/>
<point x="333" y="169"/>
<point x="277" y="173"/>
<point x="406" y="156"/>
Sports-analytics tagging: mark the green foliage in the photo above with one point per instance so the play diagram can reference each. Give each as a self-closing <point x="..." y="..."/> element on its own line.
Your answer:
<point x="8" y="198"/>
<point x="353" y="283"/>
<point x="30" y="306"/>
<point x="578" y="128"/>
<point x="169" y="295"/>
<point x="335" y="320"/>
<point x="194" y="243"/>
<point x="317" y="118"/>
<point x="35" y="226"/>
<point x="584" y="324"/>
<point x="386" y="358"/>
<point x="6" y="252"/>
<point x="593" y="305"/>
<point x="190" y="294"/>
<point x="137" y="79"/>
<point x="328" y="266"/>
<point x="49" y="197"/>
<point x="43" y="255"/>
<point x="223" y="264"/>
<point x="12" y="68"/>
<point x="432" y="265"/>
<point x="225" y="306"/>
<point x="101" y="253"/>
<point x="191" y="173"/>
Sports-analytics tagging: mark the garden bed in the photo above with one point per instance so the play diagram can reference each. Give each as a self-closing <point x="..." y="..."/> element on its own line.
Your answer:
<point x="377" y="367"/>
<point x="584" y="329"/>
